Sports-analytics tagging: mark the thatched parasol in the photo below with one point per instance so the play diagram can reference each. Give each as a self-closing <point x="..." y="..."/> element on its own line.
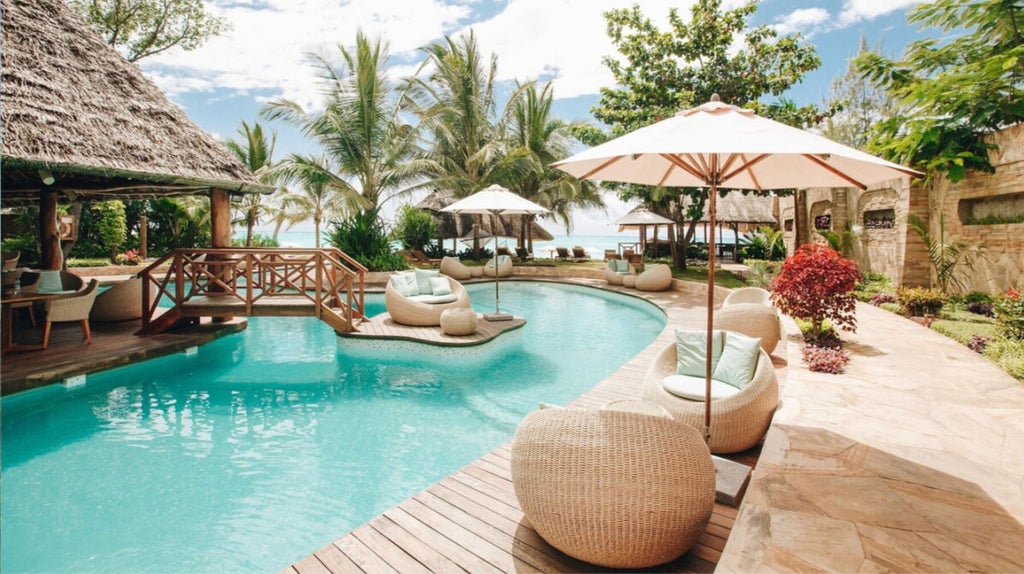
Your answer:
<point x="81" y="120"/>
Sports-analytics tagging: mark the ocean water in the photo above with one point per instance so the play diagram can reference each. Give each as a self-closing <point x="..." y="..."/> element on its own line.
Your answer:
<point x="594" y="245"/>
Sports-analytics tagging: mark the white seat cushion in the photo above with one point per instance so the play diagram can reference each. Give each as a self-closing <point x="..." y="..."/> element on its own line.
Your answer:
<point x="692" y="388"/>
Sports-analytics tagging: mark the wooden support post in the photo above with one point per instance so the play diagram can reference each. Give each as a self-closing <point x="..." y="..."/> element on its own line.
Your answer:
<point x="220" y="234"/>
<point x="143" y="236"/>
<point x="49" y="237"/>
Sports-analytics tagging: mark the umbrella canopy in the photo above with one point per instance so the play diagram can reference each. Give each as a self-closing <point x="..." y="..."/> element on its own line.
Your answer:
<point x="719" y="145"/>
<point x="495" y="200"/>
<point x="451" y="225"/>
<point x="642" y="215"/>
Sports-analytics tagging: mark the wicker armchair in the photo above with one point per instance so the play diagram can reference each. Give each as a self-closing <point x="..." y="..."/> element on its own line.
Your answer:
<point x="748" y="295"/>
<point x="613" y="488"/>
<point x="406" y="311"/>
<point x="753" y="320"/>
<point x="71" y="308"/>
<point x="69" y="281"/>
<point x="656" y="278"/>
<point x="452" y="267"/>
<point x="503" y="267"/>
<point x="11" y="261"/>
<point x="738" y="422"/>
<point x="122" y="302"/>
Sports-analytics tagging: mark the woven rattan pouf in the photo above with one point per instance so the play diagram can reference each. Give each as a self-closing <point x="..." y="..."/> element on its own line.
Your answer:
<point x="612" y="488"/>
<point x="461" y="321"/>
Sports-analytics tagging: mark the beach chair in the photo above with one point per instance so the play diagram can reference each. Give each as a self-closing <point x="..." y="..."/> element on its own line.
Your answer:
<point x="610" y="254"/>
<point x="562" y="253"/>
<point x="423" y="259"/>
<point x="523" y="254"/>
<point x="579" y="254"/>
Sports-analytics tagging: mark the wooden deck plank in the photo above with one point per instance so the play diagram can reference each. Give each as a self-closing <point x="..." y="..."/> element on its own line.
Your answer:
<point x="452" y="551"/>
<point x="310" y="565"/>
<point x="336" y="561"/>
<point x="362" y="556"/>
<point x="388" y="551"/>
<point x="433" y="560"/>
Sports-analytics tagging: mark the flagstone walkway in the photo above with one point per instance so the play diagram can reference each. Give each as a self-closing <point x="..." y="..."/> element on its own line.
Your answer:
<point x="912" y="460"/>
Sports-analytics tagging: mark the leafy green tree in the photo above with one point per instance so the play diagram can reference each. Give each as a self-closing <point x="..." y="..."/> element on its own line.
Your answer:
<point x="255" y="150"/>
<point x="659" y="73"/>
<point x="141" y="28"/>
<point x="361" y="130"/>
<point x="954" y="89"/>
<point x="534" y="130"/>
<point x="177" y="223"/>
<point x="414" y="228"/>
<point x="858" y="106"/>
<point x="105" y="228"/>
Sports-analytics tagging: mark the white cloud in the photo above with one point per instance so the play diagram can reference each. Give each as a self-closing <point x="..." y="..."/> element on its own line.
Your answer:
<point x="855" y="11"/>
<point x="804" y="20"/>
<point x="269" y="41"/>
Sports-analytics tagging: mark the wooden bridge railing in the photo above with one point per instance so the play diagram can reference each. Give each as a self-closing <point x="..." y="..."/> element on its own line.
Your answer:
<point x="325" y="283"/>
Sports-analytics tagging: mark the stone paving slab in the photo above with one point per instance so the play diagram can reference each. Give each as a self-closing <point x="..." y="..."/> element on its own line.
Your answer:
<point x="912" y="460"/>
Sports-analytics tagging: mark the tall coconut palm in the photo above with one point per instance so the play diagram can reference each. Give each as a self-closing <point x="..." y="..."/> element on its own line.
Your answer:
<point x="256" y="151"/>
<point x="466" y="147"/>
<point x="547" y="139"/>
<point x="318" y="199"/>
<point x="360" y="131"/>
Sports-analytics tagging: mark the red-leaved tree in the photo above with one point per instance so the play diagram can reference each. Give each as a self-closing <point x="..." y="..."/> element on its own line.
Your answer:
<point x="815" y="284"/>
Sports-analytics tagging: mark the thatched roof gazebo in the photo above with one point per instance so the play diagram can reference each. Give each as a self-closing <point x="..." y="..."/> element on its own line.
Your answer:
<point x="641" y="217"/>
<point x="737" y="210"/>
<point x="82" y="123"/>
<point x="451" y="226"/>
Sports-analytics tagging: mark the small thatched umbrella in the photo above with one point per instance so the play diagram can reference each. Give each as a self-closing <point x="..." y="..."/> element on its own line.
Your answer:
<point x="640" y="217"/>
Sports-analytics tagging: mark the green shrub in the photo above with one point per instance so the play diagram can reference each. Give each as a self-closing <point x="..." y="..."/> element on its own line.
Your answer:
<point x="1008" y="354"/>
<point x="871" y="284"/>
<point x="26" y="246"/>
<point x="1008" y="309"/>
<point x="388" y="262"/>
<point x="414" y="228"/>
<point x="920" y="301"/>
<point x="761" y="272"/>
<point x="977" y="297"/>
<point x="258" y="240"/>
<point x="364" y="237"/>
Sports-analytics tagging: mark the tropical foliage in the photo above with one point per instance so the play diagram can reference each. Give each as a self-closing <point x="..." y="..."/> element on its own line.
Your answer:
<point x="364" y="236"/>
<point x="948" y="260"/>
<point x="816" y="284"/>
<point x="141" y="28"/>
<point x="952" y="90"/>
<point x="414" y="228"/>
<point x="763" y="243"/>
<point x="255" y="150"/>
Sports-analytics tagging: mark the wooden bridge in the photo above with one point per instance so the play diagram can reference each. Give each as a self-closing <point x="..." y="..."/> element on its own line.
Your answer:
<point x="229" y="282"/>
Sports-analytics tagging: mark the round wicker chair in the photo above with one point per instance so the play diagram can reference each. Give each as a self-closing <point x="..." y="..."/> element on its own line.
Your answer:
<point x="503" y="268"/>
<point x="752" y="320"/>
<point x="748" y="295"/>
<point x="613" y="488"/>
<point x="655" y="278"/>
<point x="737" y="422"/>
<point x="122" y="302"/>
<point x="452" y="267"/>
<point x="615" y="278"/>
<point x="417" y="313"/>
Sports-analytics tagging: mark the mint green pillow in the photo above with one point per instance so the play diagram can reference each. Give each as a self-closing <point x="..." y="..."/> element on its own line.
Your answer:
<point x="440" y="286"/>
<point x="405" y="284"/>
<point x="622" y="266"/>
<point x="423" y="277"/>
<point x="738" y="361"/>
<point x="691" y="351"/>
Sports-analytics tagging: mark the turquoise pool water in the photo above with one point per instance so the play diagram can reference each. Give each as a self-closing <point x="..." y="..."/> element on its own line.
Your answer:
<point x="266" y="445"/>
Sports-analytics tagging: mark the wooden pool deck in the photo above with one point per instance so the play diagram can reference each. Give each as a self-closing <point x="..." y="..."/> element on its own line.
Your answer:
<point x="471" y="521"/>
<point x="384" y="327"/>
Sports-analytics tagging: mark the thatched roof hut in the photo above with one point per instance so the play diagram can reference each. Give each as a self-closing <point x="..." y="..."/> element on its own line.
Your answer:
<point x="737" y="207"/>
<point x="81" y="120"/>
<point x="451" y="226"/>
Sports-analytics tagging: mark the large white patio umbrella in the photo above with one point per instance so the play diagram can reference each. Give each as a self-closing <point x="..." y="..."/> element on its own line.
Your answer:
<point x="718" y="145"/>
<point x="496" y="200"/>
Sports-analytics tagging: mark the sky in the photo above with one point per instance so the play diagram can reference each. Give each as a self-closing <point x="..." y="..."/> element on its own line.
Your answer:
<point x="265" y="54"/>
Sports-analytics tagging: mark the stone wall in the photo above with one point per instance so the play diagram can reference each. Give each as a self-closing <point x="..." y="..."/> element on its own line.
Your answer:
<point x="987" y="210"/>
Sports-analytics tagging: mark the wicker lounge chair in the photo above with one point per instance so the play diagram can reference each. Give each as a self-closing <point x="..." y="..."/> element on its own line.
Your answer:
<point x="500" y="266"/>
<point x="71" y="308"/>
<point x="417" y="311"/>
<point x="657" y="278"/>
<point x="753" y="320"/>
<point x="614" y="488"/>
<point x="748" y="295"/>
<point x="122" y="302"/>
<point x="452" y="267"/>
<point x="738" y="422"/>
<point x="612" y="274"/>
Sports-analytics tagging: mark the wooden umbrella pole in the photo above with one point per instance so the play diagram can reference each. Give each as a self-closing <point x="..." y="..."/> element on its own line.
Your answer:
<point x="712" y="196"/>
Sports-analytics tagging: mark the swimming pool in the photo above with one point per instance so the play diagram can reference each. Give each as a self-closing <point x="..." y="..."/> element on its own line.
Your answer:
<point x="266" y="445"/>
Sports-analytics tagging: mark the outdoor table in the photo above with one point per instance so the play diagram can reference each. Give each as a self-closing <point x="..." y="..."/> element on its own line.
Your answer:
<point x="8" y="323"/>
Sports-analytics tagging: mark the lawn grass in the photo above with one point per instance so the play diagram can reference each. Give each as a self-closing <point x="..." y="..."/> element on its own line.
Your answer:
<point x="723" y="278"/>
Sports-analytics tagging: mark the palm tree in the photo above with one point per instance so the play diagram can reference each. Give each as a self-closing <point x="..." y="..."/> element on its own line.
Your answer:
<point x="360" y="130"/>
<point x="467" y="146"/>
<point x="319" y="200"/>
<point x="547" y="139"/>
<point x="256" y="152"/>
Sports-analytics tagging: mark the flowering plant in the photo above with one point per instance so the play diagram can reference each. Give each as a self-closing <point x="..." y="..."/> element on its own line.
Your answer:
<point x="129" y="257"/>
<point x="1008" y="309"/>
